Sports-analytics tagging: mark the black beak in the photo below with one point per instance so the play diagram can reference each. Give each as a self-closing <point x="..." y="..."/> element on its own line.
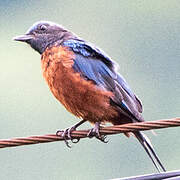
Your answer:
<point x="23" y="38"/>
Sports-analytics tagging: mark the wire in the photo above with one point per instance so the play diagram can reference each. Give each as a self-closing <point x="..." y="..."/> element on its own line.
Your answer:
<point x="173" y="175"/>
<point x="130" y="127"/>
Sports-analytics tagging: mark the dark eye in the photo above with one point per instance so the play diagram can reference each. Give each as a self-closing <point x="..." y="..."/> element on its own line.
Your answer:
<point x="43" y="27"/>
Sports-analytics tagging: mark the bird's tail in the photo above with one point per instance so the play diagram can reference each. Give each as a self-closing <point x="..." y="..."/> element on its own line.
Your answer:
<point x="145" y="142"/>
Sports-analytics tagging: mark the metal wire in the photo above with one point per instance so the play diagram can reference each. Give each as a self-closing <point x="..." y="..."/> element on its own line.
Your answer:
<point x="130" y="127"/>
<point x="170" y="175"/>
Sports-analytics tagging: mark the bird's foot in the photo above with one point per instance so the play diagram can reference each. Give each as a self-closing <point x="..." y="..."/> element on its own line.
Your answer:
<point x="66" y="135"/>
<point x="94" y="132"/>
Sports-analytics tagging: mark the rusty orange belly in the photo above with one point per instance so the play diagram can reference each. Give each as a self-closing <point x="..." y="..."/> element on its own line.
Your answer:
<point x="79" y="96"/>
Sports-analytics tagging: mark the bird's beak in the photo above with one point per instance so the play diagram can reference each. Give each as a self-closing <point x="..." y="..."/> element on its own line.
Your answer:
<point x="23" y="38"/>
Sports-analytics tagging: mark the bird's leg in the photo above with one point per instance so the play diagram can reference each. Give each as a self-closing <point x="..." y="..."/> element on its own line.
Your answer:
<point x="66" y="134"/>
<point x="94" y="132"/>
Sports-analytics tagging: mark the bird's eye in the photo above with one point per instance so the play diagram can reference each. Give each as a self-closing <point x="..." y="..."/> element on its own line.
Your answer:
<point x="43" y="27"/>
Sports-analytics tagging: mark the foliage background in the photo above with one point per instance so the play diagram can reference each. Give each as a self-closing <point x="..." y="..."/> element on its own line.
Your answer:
<point x="142" y="36"/>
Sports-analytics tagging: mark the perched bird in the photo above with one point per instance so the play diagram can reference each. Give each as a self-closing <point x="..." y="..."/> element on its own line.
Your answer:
<point x="85" y="80"/>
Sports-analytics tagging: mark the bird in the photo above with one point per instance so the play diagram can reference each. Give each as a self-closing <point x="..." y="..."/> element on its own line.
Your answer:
<point x="86" y="81"/>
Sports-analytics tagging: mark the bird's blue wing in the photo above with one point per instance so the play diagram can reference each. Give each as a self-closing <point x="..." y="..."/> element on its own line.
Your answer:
<point x="89" y="50"/>
<point x="93" y="64"/>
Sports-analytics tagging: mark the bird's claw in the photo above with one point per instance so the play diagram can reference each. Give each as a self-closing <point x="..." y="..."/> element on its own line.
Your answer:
<point x="94" y="132"/>
<point x="103" y="139"/>
<point x="66" y="135"/>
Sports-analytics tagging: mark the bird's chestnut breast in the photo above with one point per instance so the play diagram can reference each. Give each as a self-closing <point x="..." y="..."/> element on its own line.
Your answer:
<point x="79" y="96"/>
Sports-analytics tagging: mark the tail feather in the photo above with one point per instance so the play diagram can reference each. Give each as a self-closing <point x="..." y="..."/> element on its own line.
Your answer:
<point x="145" y="142"/>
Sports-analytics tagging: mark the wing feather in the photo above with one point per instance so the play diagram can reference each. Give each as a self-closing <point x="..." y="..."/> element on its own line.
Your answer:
<point x="94" y="65"/>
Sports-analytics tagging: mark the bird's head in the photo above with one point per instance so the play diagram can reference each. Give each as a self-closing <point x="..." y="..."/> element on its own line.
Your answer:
<point x="43" y="34"/>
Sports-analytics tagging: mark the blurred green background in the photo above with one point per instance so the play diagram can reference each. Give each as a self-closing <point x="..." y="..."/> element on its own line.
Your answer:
<point x="142" y="36"/>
